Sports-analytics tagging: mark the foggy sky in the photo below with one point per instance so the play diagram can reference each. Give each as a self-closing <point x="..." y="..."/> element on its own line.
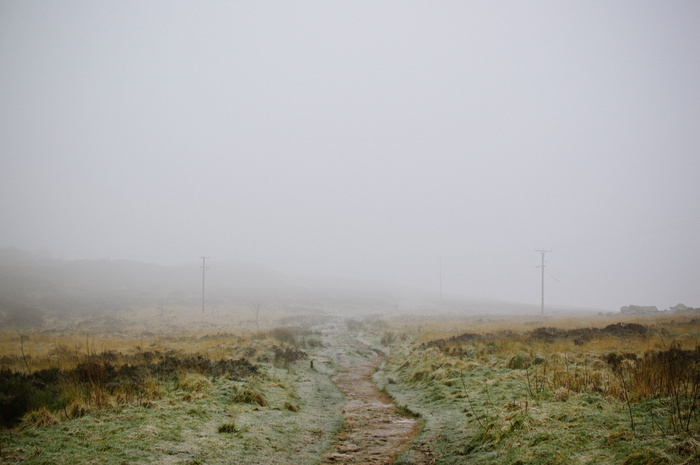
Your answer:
<point x="363" y="139"/>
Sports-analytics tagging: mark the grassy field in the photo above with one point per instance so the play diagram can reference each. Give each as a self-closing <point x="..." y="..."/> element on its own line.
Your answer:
<point x="183" y="396"/>
<point x="597" y="390"/>
<point x="186" y="388"/>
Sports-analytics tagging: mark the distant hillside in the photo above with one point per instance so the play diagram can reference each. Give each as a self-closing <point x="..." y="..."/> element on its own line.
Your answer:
<point x="33" y="287"/>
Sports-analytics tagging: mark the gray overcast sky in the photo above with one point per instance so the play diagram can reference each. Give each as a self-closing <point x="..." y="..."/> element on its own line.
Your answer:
<point x="363" y="139"/>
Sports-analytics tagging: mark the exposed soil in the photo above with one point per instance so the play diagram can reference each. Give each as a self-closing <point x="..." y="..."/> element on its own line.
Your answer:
<point x="374" y="431"/>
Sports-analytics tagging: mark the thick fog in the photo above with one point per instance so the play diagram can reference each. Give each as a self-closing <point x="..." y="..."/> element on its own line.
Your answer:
<point x="414" y="143"/>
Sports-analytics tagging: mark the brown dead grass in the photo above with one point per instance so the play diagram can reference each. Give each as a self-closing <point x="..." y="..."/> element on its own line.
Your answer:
<point x="665" y="329"/>
<point x="214" y="336"/>
<point x="40" y="418"/>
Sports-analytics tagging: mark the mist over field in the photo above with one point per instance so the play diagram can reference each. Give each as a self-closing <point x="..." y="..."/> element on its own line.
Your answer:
<point x="39" y="291"/>
<point x="411" y="148"/>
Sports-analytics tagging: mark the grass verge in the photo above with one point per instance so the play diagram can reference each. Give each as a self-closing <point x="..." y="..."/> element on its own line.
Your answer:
<point x="550" y="396"/>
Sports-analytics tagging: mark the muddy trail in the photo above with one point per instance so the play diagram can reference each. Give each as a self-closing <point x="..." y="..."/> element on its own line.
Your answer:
<point x="374" y="432"/>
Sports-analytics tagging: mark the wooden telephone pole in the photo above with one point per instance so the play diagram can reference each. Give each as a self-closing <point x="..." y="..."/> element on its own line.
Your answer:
<point x="542" y="251"/>
<point x="204" y="272"/>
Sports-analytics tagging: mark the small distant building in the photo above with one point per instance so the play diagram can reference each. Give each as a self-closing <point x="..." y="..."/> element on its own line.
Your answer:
<point x="639" y="309"/>
<point x="680" y="308"/>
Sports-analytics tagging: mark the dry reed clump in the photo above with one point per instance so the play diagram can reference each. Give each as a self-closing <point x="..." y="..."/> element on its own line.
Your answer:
<point x="249" y="395"/>
<point x="151" y="389"/>
<point x="76" y="409"/>
<point x="520" y="361"/>
<point x="40" y="418"/>
<point x="79" y="400"/>
<point x="194" y="382"/>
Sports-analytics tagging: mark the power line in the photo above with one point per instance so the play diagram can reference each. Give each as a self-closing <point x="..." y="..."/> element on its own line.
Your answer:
<point x="584" y="298"/>
<point x="663" y="228"/>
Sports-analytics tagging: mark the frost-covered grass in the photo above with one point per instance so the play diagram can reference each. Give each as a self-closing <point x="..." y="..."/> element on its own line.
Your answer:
<point x="186" y="399"/>
<point x="570" y="394"/>
<point x="180" y="428"/>
<point x="487" y="391"/>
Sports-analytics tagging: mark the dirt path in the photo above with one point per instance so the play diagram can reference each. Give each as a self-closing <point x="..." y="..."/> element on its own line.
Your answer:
<point x="374" y="431"/>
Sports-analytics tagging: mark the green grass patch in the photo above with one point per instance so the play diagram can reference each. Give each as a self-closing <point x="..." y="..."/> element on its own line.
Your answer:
<point x="487" y="399"/>
<point x="282" y="415"/>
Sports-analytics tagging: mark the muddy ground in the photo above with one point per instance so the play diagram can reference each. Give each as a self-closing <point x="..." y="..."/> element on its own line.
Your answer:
<point x="374" y="432"/>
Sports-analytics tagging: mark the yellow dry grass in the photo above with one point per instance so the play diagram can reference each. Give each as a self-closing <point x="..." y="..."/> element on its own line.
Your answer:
<point x="684" y="330"/>
<point x="184" y="330"/>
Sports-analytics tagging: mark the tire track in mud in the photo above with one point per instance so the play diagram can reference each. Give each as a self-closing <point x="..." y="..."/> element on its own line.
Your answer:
<point x="374" y="431"/>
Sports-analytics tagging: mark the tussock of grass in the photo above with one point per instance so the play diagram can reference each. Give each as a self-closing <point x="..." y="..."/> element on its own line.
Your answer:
<point x="248" y="395"/>
<point x="229" y="427"/>
<point x="151" y="389"/>
<point x="291" y="407"/>
<point x="194" y="382"/>
<point x="76" y="409"/>
<point x="421" y="374"/>
<point x="520" y="361"/>
<point x="439" y="374"/>
<point x="40" y="418"/>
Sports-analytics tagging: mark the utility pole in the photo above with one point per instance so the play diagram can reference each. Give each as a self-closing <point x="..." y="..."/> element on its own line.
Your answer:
<point x="204" y="272"/>
<point x="542" y="251"/>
